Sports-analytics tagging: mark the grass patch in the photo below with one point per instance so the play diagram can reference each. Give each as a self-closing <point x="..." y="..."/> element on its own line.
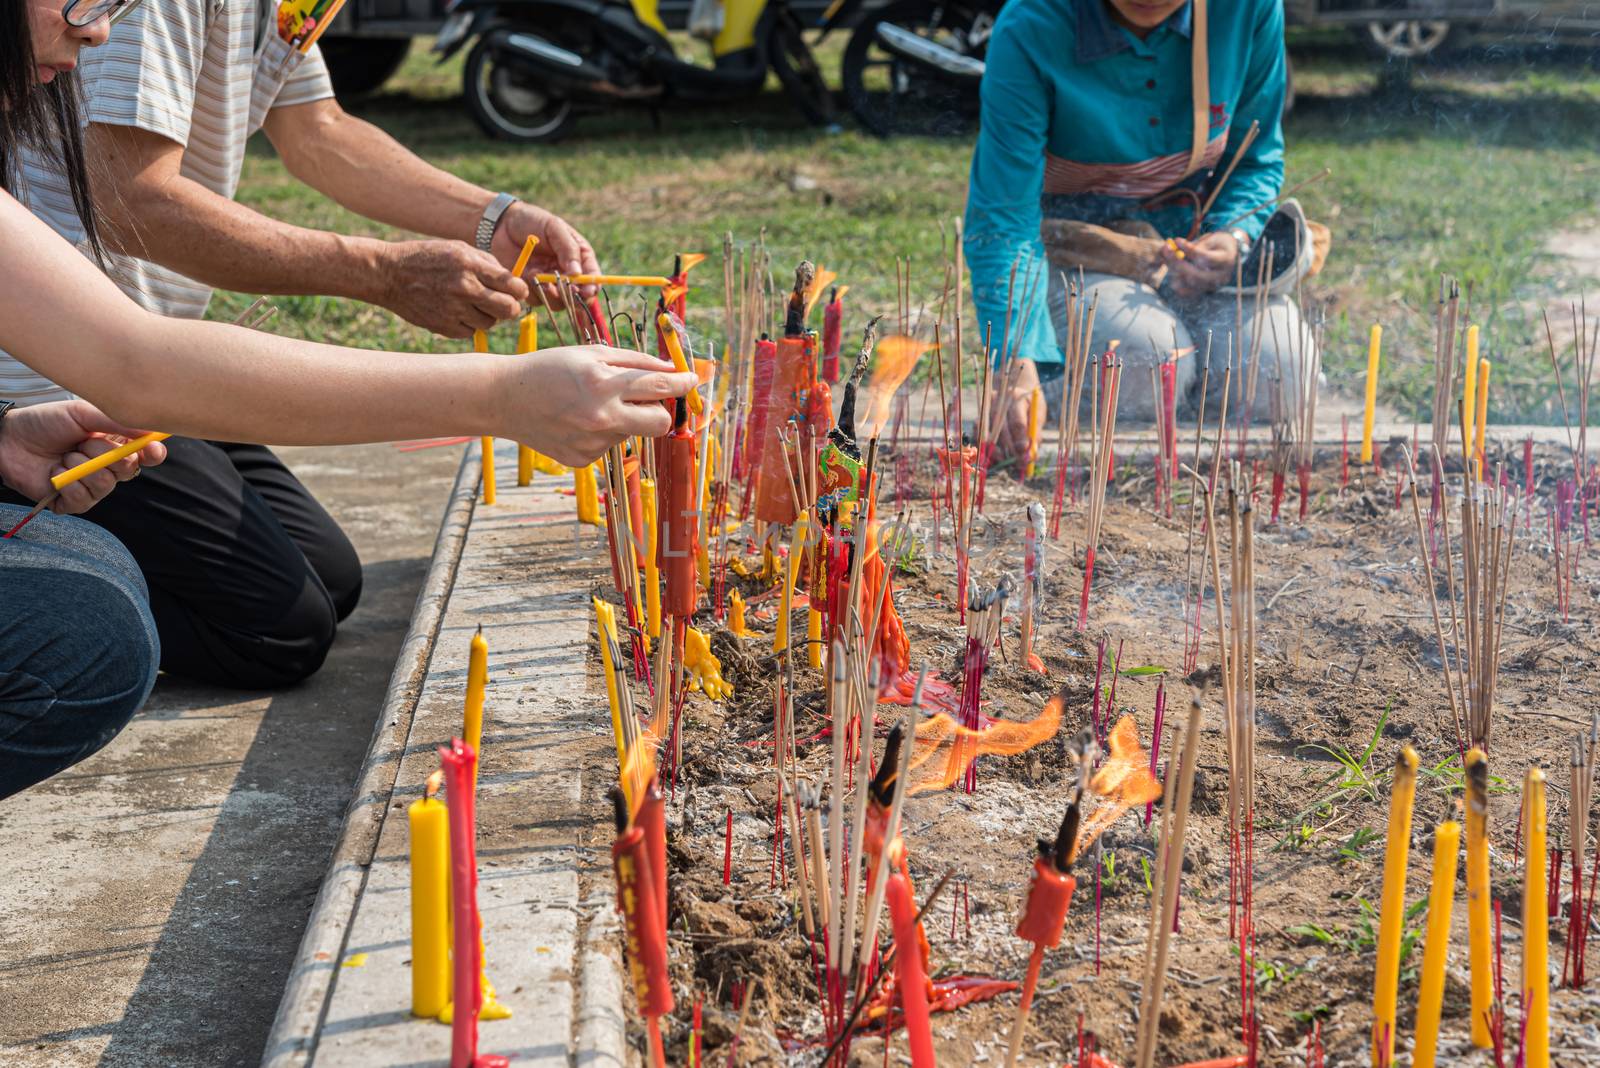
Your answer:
<point x="1469" y="170"/>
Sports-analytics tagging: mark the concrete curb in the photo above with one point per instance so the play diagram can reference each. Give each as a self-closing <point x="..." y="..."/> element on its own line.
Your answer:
<point x="601" y="1026"/>
<point x="293" y="1038"/>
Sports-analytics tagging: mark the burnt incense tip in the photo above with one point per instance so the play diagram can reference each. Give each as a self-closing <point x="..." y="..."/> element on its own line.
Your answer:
<point x="882" y="785"/>
<point x="680" y="414"/>
<point x="1061" y="851"/>
<point x="619" y="808"/>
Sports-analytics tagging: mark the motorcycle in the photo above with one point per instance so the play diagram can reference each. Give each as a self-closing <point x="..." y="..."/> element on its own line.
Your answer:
<point x="537" y="65"/>
<point x="913" y="66"/>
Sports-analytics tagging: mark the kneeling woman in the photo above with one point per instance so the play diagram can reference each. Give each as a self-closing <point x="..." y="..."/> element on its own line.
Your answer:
<point x="1107" y="125"/>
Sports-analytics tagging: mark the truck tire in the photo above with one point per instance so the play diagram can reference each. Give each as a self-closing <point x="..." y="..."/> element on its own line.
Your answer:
<point x="359" y="65"/>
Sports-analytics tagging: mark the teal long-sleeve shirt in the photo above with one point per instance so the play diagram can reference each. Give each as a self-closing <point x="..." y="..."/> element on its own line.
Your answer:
<point x="1083" y="120"/>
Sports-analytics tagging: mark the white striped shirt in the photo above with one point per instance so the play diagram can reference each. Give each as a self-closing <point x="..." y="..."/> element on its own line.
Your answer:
<point x="190" y="71"/>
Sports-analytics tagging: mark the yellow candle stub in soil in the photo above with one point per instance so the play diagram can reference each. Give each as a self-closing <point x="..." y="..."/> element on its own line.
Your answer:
<point x="1391" y="917"/>
<point x="1374" y="346"/>
<point x="430" y="906"/>
<point x="780" y="636"/>
<point x="480" y="343"/>
<point x="587" y="493"/>
<point x="1478" y="931"/>
<point x="1441" y="895"/>
<point x="1535" y="929"/>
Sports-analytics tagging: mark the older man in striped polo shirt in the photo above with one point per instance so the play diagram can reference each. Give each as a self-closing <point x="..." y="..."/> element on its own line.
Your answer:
<point x="248" y="575"/>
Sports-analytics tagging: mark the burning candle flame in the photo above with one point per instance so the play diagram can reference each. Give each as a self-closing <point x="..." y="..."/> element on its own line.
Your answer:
<point x="1123" y="781"/>
<point x="435" y="781"/>
<point x="1002" y="738"/>
<point x="897" y="355"/>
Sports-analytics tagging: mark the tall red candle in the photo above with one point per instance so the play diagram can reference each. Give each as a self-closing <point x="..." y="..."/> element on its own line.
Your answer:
<point x="460" y="772"/>
<point x="911" y="977"/>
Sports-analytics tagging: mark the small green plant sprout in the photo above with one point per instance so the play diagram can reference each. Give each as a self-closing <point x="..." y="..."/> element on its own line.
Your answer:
<point x="1356" y="775"/>
<point x="1268" y="972"/>
<point x="1350" y="849"/>
<point x="1149" y="887"/>
<point x="1144" y="671"/>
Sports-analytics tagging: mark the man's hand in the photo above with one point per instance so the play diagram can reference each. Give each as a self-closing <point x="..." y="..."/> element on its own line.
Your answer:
<point x="40" y="442"/>
<point x="574" y="402"/>
<point x="561" y="249"/>
<point x="1204" y="265"/>
<point x="448" y="287"/>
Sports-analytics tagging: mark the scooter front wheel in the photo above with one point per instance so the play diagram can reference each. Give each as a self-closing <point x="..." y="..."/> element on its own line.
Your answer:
<point x="511" y="103"/>
<point x="797" y="70"/>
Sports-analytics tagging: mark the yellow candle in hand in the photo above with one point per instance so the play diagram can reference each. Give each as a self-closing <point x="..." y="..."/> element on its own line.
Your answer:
<point x="1391" y="917"/>
<point x="430" y="905"/>
<point x="477" y="683"/>
<point x="1430" y="999"/>
<point x="652" y="570"/>
<point x="1535" y="930"/>
<point x="1374" y="346"/>
<point x="1469" y="393"/>
<point x="669" y="335"/>
<point x="480" y="343"/>
<point x="1483" y="413"/>
<point x="1478" y="952"/>
<point x="104" y="460"/>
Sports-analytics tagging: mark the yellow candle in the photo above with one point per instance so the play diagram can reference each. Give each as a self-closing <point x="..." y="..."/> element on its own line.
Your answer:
<point x="780" y="637"/>
<point x="814" y="637"/>
<point x="1535" y="929"/>
<point x="1374" y="345"/>
<point x="1391" y="917"/>
<point x="669" y="336"/>
<point x="104" y="460"/>
<point x="524" y="256"/>
<point x="736" y="624"/>
<point x="652" y="570"/>
<point x="1478" y="954"/>
<point x="480" y="343"/>
<point x="1430" y="999"/>
<point x="1035" y="420"/>
<point x="586" y="490"/>
<point x="1469" y="392"/>
<point x="605" y="626"/>
<point x="430" y="905"/>
<point x="527" y="341"/>
<point x="477" y="682"/>
<point x="1483" y="412"/>
<point x="652" y="280"/>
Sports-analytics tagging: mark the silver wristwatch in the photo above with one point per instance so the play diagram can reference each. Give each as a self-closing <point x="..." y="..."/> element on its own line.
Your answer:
<point x="491" y="219"/>
<point x="1243" y="239"/>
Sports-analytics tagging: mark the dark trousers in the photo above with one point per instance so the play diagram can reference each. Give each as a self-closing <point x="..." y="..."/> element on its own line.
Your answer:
<point x="249" y="576"/>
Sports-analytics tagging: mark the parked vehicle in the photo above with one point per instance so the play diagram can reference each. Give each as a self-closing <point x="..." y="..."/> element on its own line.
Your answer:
<point x="913" y="66"/>
<point x="536" y="65"/>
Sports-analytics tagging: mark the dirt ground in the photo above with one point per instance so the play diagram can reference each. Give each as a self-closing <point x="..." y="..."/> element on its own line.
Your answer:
<point x="1347" y="658"/>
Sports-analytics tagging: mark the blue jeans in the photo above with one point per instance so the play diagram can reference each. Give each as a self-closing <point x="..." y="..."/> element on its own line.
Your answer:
<point x="78" y="647"/>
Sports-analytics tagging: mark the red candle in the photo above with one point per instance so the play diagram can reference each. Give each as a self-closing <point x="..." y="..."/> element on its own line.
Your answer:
<point x="460" y="771"/>
<point x="832" y="327"/>
<point x="910" y="975"/>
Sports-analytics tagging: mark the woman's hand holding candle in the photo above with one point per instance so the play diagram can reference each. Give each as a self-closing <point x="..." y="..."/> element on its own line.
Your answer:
<point x="45" y="440"/>
<point x="574" y="402"/>
<point x="1201" y="265"/>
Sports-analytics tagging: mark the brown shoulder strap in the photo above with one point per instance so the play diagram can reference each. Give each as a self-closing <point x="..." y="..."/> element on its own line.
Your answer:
<point x="1200" y="84"/>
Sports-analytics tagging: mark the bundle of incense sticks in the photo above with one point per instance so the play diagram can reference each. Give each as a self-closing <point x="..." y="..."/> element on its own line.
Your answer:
<point x="1488" y="543"/>
<point x="1584" y="359"/>
<point x="1258" y="330"/>
<point x="1168" y="877"/>
<point x="983" y="628"/>
<point x="1102" y="433"/>
<point x="1080" y="331"/>
<point x="1308" y="371"/>
<point x="1194" y="584"/>
<point x="1446" y="318"/>
<point x="1581" y="799"/>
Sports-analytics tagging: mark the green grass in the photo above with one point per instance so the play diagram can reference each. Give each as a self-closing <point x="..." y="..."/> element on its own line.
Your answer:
<point x="1469" y="171"/>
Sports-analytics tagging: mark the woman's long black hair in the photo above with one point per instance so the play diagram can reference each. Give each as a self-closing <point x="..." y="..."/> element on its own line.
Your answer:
<point x="44" y="118"/>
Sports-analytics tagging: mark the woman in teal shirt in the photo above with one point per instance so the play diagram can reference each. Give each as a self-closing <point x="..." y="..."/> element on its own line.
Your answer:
<point x="1088" y="114"/>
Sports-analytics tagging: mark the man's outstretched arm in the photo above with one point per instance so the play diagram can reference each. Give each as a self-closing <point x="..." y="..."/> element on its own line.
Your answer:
<point x="149" y="209"/>
<point x="353" y="162"/>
